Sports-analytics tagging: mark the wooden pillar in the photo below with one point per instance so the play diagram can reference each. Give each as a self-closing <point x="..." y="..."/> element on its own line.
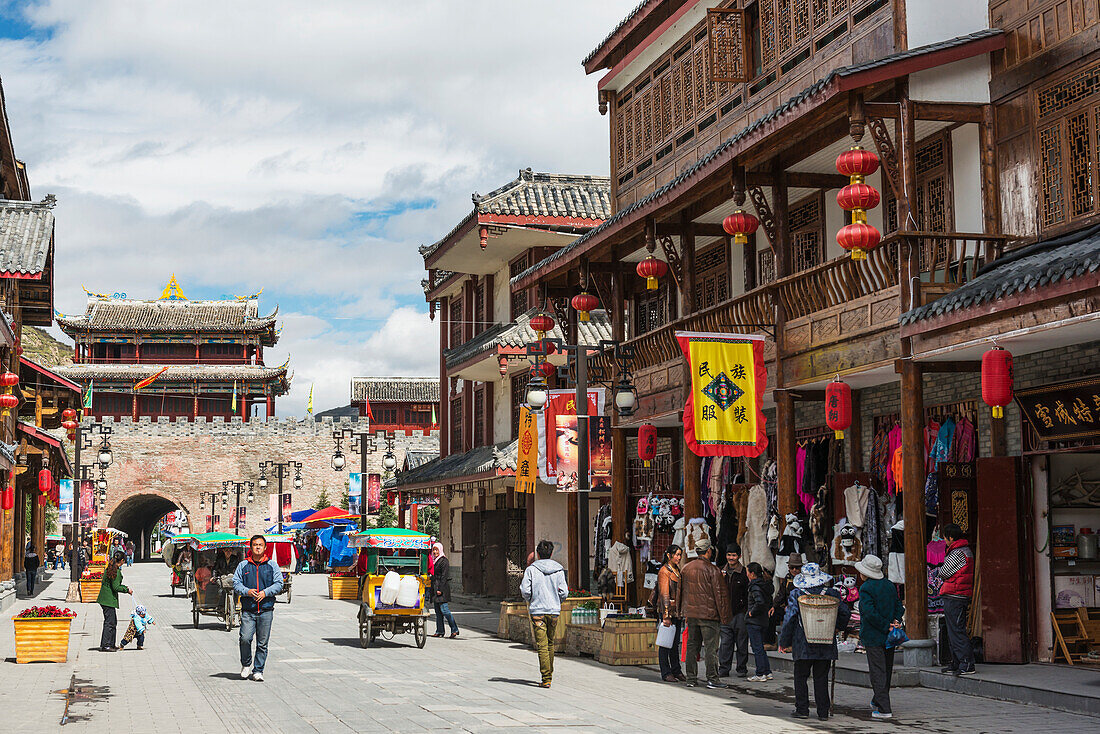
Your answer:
<point x="687" y="265"/>
<point x="270" y="405"/>
<point x="444" y="382"/>
<point x="620" y="512"/>
<point x="785" y="451"/>
<point x="572" y="543"/>
<point x="412" y="516"/>
<point x="991" y="204"/>
<point x="854" y="436"/>
<point x="19" y="535"/>
<point x="197" y="357"/>
<point x="400" y="506"/>
<point x="913" y="475"/>
<point x="243" y="400"/>
<point x="137" y="352"/>
<point x="909" y="251"/>
<point x="998" y="443"/>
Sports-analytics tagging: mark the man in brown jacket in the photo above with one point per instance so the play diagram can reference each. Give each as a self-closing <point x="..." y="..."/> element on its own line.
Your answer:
<point x="705" y="602"/>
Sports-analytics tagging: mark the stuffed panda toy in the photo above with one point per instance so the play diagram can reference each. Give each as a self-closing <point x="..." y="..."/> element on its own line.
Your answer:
<point x="791" y="541"/>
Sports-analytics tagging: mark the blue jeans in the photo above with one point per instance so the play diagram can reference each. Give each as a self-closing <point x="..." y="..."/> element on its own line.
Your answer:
<point x="258" y="625"/>
<point x="756" y="641"/>
<point x="441" y="611"/>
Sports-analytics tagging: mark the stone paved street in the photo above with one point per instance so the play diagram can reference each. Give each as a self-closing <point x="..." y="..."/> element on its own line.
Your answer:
<point x="318" y="679"/>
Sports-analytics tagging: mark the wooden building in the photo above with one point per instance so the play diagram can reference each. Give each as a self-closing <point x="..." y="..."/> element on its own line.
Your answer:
<point x="211" y="353"/>
<point x="404" y="404"/>
<point x="487" y="527"/>
<point x="983" y="115"/>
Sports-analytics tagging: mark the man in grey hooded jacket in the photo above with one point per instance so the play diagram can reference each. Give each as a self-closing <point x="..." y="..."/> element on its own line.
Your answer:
<point x="544" y="587"/>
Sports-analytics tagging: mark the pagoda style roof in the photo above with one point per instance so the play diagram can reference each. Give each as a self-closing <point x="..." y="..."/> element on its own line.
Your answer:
<point x="105" y="313"/>
<point x="26" y="235"/>
<point x="395" y="389"/>
<point x="134" y="373"/>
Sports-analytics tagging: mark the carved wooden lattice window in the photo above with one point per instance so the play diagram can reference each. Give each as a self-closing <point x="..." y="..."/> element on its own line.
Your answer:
<point x="479" y="416"/>
<point x="766" y="266"/>
<point x="521" y="300"/>
<point x="1069" y="121"/>
<point x="712" y="279"/>
<point x="727" y="45"/>
<point x="651" y="310"/>
<point x="807" y="234"/>
<point x="934" y="211"/>
<point x="455" y="315"/>
<point x="456" y="426"/>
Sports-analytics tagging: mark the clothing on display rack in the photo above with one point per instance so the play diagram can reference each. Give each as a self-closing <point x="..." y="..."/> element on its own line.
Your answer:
<point x="893" y="444"/>
<point x="966" y="440"/>
<point x="856" y="499"/>
<point x="872" y="523"/>
<point x="895" y="562"/>
<point x="941" y="449"/>
<point x="602" y="535"/>
<point x="800" y="462"/>
<point x="769" y="480"/>
<point x="755" y="546"/>
<point x="847" y="547"/>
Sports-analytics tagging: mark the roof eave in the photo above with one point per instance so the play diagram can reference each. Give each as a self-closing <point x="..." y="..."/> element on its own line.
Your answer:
<point x="461" y="230"/>
<point x="600" y="57"/>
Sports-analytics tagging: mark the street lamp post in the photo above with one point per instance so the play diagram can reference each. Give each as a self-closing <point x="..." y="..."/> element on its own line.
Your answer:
<point x="365" y="444"/>
<point x="624" y="399"/>
<point x="237" y="487"/>
<point x="213" y="502"/>
<point x="82" y="438"/>
<point x="281" y="469"/>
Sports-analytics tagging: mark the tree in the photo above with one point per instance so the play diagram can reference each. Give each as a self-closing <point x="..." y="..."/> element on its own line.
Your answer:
<point x="427" y="517"/>
<point x="322" y="500"/>
<point x="387" y="516"/>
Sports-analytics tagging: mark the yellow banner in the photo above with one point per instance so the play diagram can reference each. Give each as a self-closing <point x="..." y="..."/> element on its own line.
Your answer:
<point x="527" y="464"/>
<point x="728" y="380"/>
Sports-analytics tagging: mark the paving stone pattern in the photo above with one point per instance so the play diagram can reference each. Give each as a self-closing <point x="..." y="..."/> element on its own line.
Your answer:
<point x="319" y="679"/>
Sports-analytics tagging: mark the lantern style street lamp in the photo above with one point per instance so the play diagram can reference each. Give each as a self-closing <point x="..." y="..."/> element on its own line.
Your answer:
<point x="237" y="487"/>
<point x="363" y="443"/>
<point x="281" y="470"/>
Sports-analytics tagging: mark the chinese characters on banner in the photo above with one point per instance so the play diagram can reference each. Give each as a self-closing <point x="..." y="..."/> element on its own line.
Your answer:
<point x="1064" y="411"/>
<point x="728" y="379"/>
<point x="527" y="461"/>
<point x="286" y="506"/>
<point x="557" y="428"/>
<point x="240" y="519"/>
<point x="374" y="494"/>
<point x="599" y="452"/>
<point x="88" y="513"/>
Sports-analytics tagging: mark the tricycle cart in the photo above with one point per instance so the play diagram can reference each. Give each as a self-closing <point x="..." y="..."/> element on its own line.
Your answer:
<point x="215" y="560"/>
<point x="403" y="553"/>
<point x="282" y="549"/>
<point x="177" y="556"/>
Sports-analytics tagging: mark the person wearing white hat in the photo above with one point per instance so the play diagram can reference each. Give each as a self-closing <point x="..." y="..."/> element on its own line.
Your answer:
<point x="880" y="609"/>
<point x="810" y="658"/>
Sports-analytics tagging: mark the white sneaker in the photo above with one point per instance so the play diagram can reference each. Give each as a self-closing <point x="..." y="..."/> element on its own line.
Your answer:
<point x="880" y="715"/>
<point x="757" y="678"/>
<point x="769" y="676"/>
<point x="246" y="671"/>
<point x="258" y="677"/>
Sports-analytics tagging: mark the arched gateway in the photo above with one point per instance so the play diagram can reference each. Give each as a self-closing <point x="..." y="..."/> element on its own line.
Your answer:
<point x="137" y="515"/>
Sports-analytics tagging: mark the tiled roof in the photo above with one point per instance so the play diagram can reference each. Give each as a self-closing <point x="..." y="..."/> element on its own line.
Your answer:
<point x="1042" y="264"/>
<point x="806" y="94"/>
<point x="542" y="195"/>
<point x="176" y="373"/>
<point x="519" y="333"/>
<point x="501" y="457"/>
<point x="26" y="231"/>
<point x="395" y="389"/>
<point x="121" y="314"/>
<point x="413" y="459"/>
<point x="637" y="9"/>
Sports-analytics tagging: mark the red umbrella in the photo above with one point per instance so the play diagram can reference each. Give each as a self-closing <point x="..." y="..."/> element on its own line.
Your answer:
<point x="325" y="517"/>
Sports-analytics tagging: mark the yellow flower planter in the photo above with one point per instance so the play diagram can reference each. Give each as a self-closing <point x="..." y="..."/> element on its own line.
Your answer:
<point x="343" y="587"/>
<point x="42" y="639"/>
<point x="89" y="591"/>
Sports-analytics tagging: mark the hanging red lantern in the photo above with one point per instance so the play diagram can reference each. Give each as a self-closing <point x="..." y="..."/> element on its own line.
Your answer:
<point x="42" y="500"/>
<point x="69" y="425"/>
<point x="68" y="414"/>
<point x="9" y="380"/>
<point x="858" y="238"/>
<point x="543" y="369"/>
<point x="583" y="303"/>
<point x="7" y="402"/>
<point x="858" y="198"/>
<point x="740" y="225"/>
<point x="8" y="498"/>
<point x="857" y="163"/>
<point x="651" y="269"/>
<point x="542" y="323"/>
<point x="838" y="406"/>
<point x="45" y="481"/>
<point x="997" y="379"/>
<point x="647" y="442"/>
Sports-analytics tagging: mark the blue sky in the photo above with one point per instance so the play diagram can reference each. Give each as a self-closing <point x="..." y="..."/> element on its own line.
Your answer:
<point x="303" y="148"/>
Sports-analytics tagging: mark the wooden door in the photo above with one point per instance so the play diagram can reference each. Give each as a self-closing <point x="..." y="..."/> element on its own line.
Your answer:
<point x="471" y="552"/>
<point x="1002" y="541"/>
<point x="494" y="536"/>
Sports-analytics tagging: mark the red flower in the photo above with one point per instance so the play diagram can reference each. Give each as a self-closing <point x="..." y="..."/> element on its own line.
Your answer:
<point x="49" y="612"/>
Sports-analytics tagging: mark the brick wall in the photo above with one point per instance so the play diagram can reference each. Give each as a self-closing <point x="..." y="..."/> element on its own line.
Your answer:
<point x="178" y="460"/>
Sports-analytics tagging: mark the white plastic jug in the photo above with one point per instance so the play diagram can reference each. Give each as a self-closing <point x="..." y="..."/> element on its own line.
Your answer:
<point x="391" y="585"/>
<point x="409" y="594"/>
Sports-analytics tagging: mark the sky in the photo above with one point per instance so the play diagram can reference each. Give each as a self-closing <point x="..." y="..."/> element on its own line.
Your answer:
<point x="305" y="148"/>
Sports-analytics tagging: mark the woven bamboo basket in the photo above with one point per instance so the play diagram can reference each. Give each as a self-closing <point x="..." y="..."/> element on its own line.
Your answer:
<point x="818" y="613"/>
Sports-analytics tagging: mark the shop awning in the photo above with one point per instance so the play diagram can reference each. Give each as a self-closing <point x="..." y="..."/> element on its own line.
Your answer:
<point x="484" y="462"/>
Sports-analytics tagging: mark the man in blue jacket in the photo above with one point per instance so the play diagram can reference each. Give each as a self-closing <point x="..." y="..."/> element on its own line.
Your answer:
<point x="257" y="580"/>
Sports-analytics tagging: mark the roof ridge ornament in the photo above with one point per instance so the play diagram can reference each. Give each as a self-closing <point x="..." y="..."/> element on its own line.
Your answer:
<point x="246" y="298"/>
<point x="94" y="295"/>
<point x="172" y="291"/>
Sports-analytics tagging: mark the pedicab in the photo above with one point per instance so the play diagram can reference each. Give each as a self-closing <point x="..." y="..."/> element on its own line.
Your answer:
<point x="216" y="556"/>
<point x="177" y="556"/>
<point x="283" y="550"/>
<point x="391" y="592"/>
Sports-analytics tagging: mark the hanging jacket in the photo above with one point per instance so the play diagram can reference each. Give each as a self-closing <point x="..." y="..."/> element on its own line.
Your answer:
<point x="957" y="570"/>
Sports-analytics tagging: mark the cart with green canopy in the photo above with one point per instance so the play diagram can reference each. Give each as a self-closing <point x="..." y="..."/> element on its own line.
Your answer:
<point x="216" y="556"/>
<point x="391" y="593"/>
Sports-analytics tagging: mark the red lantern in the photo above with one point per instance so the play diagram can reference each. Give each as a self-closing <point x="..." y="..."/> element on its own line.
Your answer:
<point x="7" y="402"/>
<point x="857" y="163"/>
<point x="45" y="481"/>
<point x="68" y="414"/>
<point x="647" y="442"/>
<point x="651" y="269"/>
<point x="69" y="426"/>
<point x="42" y="500"/>
<point x="858" y="238"/>
<point x="858" y="198"/>
<point x="740" y="225"/>
<point x="583" y="303"/>
<point x="9" y="498"/>
<point x="997" y="380"/>
<point x="838" y="406"/>
<point x="542" y="323"/>
<point x="9" y="379"/>
<point x="543" y="369"/>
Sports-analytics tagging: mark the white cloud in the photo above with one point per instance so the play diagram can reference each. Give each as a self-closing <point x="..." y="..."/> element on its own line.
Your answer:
<point x="238" y="143"/>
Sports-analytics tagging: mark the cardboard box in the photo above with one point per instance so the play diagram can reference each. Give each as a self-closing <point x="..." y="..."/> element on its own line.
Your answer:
<point x="1071" y="592"/>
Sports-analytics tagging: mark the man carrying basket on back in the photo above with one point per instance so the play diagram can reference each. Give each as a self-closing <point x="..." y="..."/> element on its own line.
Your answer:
<point x="810" y="635"/>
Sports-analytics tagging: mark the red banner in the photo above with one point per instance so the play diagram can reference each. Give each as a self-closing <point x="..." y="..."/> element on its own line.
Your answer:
<point x="374" y="494"/>
<point x="557" y="426"/>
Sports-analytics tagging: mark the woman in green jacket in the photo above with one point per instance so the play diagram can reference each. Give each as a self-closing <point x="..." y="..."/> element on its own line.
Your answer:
<point x="880" y="609"/>
<point x="109" y="590"/>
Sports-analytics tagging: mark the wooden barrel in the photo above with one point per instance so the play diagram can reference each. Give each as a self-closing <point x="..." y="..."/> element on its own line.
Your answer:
<point x="628" y="642"/>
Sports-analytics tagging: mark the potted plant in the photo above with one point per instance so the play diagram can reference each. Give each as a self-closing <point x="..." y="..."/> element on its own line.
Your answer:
<point x="343" y="584"/>
<point x="42" y="634"/>
<point x="90" y="581"/>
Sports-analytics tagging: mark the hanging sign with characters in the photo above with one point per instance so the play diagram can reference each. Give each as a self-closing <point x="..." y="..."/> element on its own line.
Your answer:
<point x="527" y="461"/>
<point x="557" y="427"/>
<point x="1065" y="411"/>
<point x="728" y="379"/>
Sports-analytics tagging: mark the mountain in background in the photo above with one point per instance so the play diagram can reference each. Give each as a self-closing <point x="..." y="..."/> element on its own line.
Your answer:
<point x="40" y="347"/>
